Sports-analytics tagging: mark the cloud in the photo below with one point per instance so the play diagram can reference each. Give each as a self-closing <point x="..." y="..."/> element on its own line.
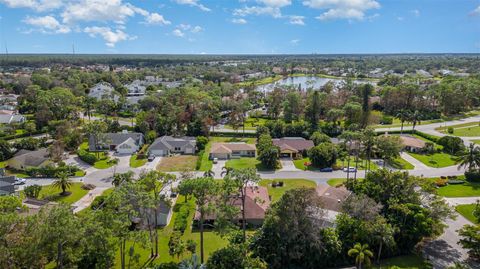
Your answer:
<point x="155" y="18"/>
<point x="294" y="41"/>
<point x="239" y="21"/>
<point x="415" y="12"/>
<point x="37" y="5"/>
<point x="400" y="18"/>
<point x="342" y="9"/>
<point x="111" y="37"/>
<point x="258" y="10"/>
<point x="193" y="3"/>
<point x="275" y="3"/>
<point x="178" y="32"/>
<point x="476" y="12"/>
<point x="47" y="24"/>
<point x="100" y="10"/>
<point x="296" y="20"/>
<point x="196" y="29"/>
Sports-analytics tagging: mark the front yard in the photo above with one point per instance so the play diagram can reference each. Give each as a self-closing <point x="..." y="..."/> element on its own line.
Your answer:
<point x="288" y="184"/>
<point x="135" y="162"/>
<point x="467" y="212"/>
<point x="400" y="163"/>
<point x="362" y="164"/>
<point x="467" y="189"/>
<point x="104" y="160"/>
<point x="177" y="163"/>
<point x="207" y="164"/>
<point x="52" y="193"/>
<point x="464" y="129"/>
<point x="436" y="160"/>
<point x="242" y="163"/>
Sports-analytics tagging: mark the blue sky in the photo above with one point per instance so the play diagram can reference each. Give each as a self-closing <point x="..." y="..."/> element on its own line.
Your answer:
<point x="240" y="26"/>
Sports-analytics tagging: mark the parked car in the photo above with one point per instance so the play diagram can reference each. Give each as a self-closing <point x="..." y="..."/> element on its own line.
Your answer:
<point x="215" y="160"/>
<point x="326" y="169"/>
<point x="19" y="181"/>
<point x="350" y="169"/>
<point x="151" y="158"/>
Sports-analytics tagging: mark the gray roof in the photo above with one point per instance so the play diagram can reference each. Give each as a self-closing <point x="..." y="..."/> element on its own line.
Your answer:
<point x="6" y="118"/>
<point x="32" y="158"/>
<point x="169" y="142"/>
<point x="116" y="139"/>
<point x="6" y="185"/>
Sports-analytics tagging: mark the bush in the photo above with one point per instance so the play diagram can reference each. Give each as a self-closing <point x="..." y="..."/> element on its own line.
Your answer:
<point x="440" y="182"/>
<point x="98" y="202"/>
<point x="181" y="221"/>
<point x="427" y="136"/>
<point x="199" y="160"/>
<point x="201" y="142"/>
<point x="450" y="130"/>
<point x="451" y="144"/>
<point x="386" y="120"/>
<point x="51" y="171"/>
<point x="472" y="176"/>
<point x="87" y="157"/>
<point x="32" y="191"/>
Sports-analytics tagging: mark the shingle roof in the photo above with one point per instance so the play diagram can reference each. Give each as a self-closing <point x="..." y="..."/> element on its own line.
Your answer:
<point x="6" y="185"/>
<point x="229" y="147"/>
<point x="411" y="141"/>
<point x="296" y="143"/>
<point x="32" y="158"/>
<point x="116" y="139"/>
<point x="332" y="197"/>
<point x="169" y="142"/>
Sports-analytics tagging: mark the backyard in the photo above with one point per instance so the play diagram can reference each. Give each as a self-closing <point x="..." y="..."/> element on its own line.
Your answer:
<point x="177" y="163"/>
<point x="250" y="124"/>
<point x="288" y="184"/>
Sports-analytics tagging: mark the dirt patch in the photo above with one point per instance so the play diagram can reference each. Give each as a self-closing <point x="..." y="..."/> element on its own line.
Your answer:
<point x="177" y="163"/>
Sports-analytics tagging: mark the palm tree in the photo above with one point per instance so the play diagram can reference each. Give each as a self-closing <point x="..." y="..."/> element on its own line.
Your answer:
<point x="209" y="173"/>
<point x="362" y="255"/>
<point x="402" y="115"/>
<point x="470" y="158"/>
<point x="62" y="182"/>
<point x="226" y="171"/>
<point x="415" y="118"/>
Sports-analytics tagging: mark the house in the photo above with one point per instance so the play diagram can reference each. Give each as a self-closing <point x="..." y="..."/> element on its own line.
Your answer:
<point x="232" y="150"/>
<point x="103" y="90"/>
<point x="25" y="159"/>
<point x="412" y="144"/>
<point x="293" y="147"/>
<point x="257" y="201"/>
<point x="136" y="88"/>
<point x="124" y="142"/>
<point x="331" y="199"/>
<point x="167" y="145"/>
<point x="11" y="118"/>
<point x="7" y="185"/>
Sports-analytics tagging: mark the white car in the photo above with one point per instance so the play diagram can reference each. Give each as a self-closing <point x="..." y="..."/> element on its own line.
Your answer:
<point x="20" y="181"/>
<point x="215" y="160"/>
<point x="350" y="169"/>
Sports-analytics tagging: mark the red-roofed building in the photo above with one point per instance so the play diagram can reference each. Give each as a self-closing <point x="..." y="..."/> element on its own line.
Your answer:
<point x="293" y="147"/>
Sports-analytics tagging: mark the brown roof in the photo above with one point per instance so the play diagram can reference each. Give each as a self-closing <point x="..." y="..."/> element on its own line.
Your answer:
<point x="296" y="143"/>
<point x="257" y="201"/>
<point x="332" y="197"/>
<point x="229" y="147"/>
<point x="410" y="141"/>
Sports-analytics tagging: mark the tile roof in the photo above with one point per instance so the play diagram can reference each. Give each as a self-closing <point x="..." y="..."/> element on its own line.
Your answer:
<point x="410" y="141"/>
<point x="295" y="143"/>
<point x="229" y="147"/>
<point x="332" y="197"/>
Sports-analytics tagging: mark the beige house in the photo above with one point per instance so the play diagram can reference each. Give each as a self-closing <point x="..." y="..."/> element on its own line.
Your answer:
<point x="25" y="159"/>
<point x="227" y="151"/>
<point x="412" y="144"/>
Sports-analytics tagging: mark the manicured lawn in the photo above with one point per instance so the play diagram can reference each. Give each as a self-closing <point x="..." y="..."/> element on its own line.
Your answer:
<point x="246" y="163"/>
<point x="336" y="181"/>
<point x="288" y="184"/>
<point x="135" y="162"/>
<point x="464" y="129"/>
<point x="53" y="194"/>
<point x="177" y="163"/>
<point x="403" y="262"/>
<point x="250" y="124"/>
<point x="104" y="160"/>
<point x="467" y="212"/>
<point x="435" y="160"/>
<point x="467" y="189"/>
<point x="400" y="163"/>
<point x="80" y="173"/>
<point x="362" y="164"/>
<point x="206" y="163"/>
<point x="476" y="141"/>
<point x="103" y="164"/>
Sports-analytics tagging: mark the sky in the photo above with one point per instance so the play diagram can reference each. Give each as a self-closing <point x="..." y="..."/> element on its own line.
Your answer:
<point x="240" y="26"/>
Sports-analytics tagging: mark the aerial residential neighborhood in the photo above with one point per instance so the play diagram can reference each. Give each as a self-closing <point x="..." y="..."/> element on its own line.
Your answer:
<point x="259" y="134"/>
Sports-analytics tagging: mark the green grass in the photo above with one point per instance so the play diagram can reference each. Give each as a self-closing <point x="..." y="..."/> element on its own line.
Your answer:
<point x="206" y="163"/>
<point x="288" y="184"/>
<point x="362" y="164"/>
<point x="80" y="173"/>
<point x="177" y="163"/>
<point x="470" y="131"/>
<point x="104" y="159"/>
<point x="53" y="194"/>
<point x="334" y="182"/>
<point x="262" y="81"/>
<point x="135" y="162"/>
<point x="243" y="163"/>
<point x="468" y="189"/>
<point x="250" y="124"/>
<point x="399" y="163"/>
<point x="467" y="212"/>
<point x="403" y="262"/>
<point x="103" y="164"/>
<point x="435" y="160"/>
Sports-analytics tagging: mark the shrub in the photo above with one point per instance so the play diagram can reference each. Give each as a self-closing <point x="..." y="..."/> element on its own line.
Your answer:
<point x="199" y="160"/>
<point x="427" y="136"/>
<point x="51" y="171"/>
<point x="473" y="176"/>
<point x="181" y="221"/>
<point x="450" y="130"/>
<point x="451" y="144"/>
<point x="98" y="201"/>
<point x="201" y="142"/>
<point x="386" y="120"/>
<point x="32" y="191"/>
<point x="87" y="157"/>
<point x="440" y="182"/>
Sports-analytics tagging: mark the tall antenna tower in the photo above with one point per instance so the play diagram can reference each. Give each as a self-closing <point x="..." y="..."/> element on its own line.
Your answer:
<point x="73" y="49"/>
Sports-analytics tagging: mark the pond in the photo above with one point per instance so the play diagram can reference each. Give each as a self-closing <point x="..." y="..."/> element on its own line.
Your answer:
<point x="304" y="82"/>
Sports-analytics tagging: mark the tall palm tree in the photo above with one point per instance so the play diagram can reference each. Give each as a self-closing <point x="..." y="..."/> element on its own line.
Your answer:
<point x="415" y="118"/>
<point x="402" y="115"/>
<point x="62" y="182"/>
<point x="362" y="255"/>
<point x="470" y="158"/>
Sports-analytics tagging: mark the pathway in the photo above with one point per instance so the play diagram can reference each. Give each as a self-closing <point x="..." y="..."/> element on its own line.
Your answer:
<point x="87" y="200"/>
<point x="416" y="163"/>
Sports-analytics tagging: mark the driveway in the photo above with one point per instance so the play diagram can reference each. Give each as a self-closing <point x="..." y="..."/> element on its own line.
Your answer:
<point x="288" y="165"/>
<point x="217" y="168"/>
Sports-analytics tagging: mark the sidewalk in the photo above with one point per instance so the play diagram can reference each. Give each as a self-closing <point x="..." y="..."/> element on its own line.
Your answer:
<point x="416" y="163"/>
<point x="87" y="200"/>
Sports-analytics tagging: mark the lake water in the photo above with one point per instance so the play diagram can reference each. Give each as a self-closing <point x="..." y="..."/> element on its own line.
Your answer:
<point x="305" y="82"/>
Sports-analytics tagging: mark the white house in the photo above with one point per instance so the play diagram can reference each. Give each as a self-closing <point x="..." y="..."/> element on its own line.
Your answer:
<point x="103" y="90"/>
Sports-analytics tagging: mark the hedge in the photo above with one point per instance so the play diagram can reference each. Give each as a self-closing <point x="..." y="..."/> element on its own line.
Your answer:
<point x="15" y="136"/>
<point x="87" y="157"/>
<point x="51" y="171"/>
<point x="181" y="220"/>
<point x="199" y="159"/>
<point x="229" y="134"/>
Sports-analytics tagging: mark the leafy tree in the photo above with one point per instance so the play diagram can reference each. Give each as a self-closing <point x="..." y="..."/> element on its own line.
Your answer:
<point x="5" y="150"/>
<point x="388" y="147"/>
<point x="451" y="144"/>
<point x="318" y="138"/>
<point x="96" y="130"/>
<point x="362" y="255"/>
<point x="120" y="178"/>
<point x="32" y="191"/>
<point x="403" y="115"/>
<point x="470" y="239"/>
<point x="202" y="141"/>
<point x="233" y="256"/>
<point x="323" y="155"/>
<point x="292" y="107"/>
<point x="314" y="109"/>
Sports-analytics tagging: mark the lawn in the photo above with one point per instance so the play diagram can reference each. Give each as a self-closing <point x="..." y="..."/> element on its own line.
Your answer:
<point x="262" y="81"/>
<point x="362" y="164"/>
<point x="104" y="160"/>
<point x="435" y="160"/>
<point x="467" y="189"/>
<point x="464" y="129"/>
<point x="334" y="182"/>
<point x="467" y="212"/>
<point x="177" y="163"/>
<point x="53" y="194"/>
<point x="403" y="262"/>
<point x="476" y="141"/>
<point x="246" y="163"/>
<point x="399" y="163"/>
<point x="288" y="184"/>
<point x="250" y="124"/>
<point x="135" y="162"/>
<point x="206" y="164"/>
